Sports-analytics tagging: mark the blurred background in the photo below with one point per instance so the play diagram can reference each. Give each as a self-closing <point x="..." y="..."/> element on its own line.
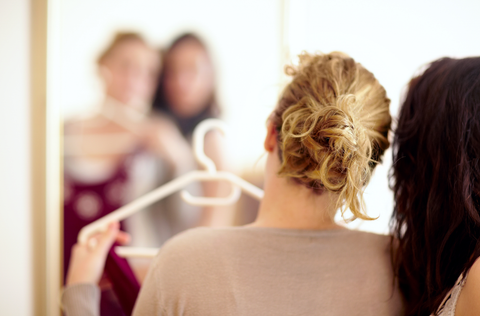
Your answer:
<point x="232" y="65"/>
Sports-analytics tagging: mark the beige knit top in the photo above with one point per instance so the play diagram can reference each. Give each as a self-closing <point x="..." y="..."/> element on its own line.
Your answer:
<point x="264" y="271"/>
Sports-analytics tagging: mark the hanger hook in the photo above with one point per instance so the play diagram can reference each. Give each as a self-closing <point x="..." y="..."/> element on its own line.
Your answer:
<point x="199" y="140"/>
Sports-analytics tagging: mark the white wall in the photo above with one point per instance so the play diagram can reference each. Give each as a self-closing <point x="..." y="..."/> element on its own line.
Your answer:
<point x="15" y="213"/>
<point x="391" y="39"/>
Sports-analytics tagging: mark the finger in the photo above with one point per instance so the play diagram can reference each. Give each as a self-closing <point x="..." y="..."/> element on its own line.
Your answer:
<point x="123" y="238"/>
<point x="106" y="239"/>
<point x="78" y="249"/>
<point x="92" y="243"/>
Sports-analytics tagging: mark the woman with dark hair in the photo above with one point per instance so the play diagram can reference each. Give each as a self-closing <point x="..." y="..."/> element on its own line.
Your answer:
<point x="186" y="89"/>
<point x="186" y="94"/>
<point x="436" y="182"/>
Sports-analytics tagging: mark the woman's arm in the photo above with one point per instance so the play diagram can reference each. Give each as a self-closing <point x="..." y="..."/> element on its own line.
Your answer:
<point x="164" y="139"/>
<point x="216" y="149"/>
<point x="81" y="295"/>
<point x="81" y="300"/>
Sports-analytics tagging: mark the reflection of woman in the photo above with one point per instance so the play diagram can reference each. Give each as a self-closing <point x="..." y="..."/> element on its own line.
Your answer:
<point x="119" y="152"/>
<point x="437" y="190"/>
<point x="325" y="137"/>
<point x="186" y="94"/>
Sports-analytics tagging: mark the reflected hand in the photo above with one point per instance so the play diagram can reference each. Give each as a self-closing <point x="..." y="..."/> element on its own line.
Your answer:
<point x="87" y="261"/>
<point x="165" y="139"/>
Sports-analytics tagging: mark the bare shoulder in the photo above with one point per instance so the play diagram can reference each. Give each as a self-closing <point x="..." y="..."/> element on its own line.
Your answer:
<point x="469" y="299"/>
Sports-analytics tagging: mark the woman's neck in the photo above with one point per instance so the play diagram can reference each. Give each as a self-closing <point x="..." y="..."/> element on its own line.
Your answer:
<point x="290" y="205"/>
<point x="114" y="108"/>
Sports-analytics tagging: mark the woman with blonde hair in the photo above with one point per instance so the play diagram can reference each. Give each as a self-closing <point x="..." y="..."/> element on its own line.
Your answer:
<point x="325" y="137"/>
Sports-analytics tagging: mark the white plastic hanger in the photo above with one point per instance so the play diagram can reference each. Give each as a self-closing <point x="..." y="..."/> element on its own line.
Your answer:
<point x="210" y="174"/>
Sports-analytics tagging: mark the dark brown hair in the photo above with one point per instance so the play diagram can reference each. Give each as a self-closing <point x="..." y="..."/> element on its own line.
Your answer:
<point x="436" y="182"/>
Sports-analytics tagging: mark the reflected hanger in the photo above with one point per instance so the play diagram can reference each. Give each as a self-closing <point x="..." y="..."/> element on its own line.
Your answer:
<point x="210" y="174"/>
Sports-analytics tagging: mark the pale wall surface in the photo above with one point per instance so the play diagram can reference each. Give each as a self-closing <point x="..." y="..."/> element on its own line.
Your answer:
<point x="16" y="286"/>
<point x="393" y="40"/>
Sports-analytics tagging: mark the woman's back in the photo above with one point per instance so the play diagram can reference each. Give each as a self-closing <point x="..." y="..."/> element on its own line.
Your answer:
<point x="271" y="271"/>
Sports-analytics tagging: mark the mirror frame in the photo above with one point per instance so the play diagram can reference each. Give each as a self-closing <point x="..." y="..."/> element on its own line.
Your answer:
<point x="46" y="162"/>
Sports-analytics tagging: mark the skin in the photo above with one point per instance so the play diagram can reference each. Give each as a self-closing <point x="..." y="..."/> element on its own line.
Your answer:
<point x="279" y="209"/>
<point x="189" y="85"/>
<point x="468" y="303"/>
<point x="284" y="198"/>
<point x="87" y="262"/>
<point x="216" y="216"/>
<point x="189" y="79"/>
<point x="130" y="74"/>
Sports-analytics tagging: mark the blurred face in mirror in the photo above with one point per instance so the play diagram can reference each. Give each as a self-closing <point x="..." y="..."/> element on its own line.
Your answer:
<point x="130" y="73"/>
<point x="188" y="79"/>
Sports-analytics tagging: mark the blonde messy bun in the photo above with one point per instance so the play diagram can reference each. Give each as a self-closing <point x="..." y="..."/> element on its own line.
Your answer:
<point x="333" y="120"/>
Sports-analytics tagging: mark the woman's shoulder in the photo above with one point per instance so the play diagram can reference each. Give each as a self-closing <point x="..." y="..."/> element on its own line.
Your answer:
<point x="196" y="242"/>
<point x="190" y="255"/>
<point x="469" y="299"/>
<point x="191" y="239"/>
<point x="370" y="240"/>
<point x="201" y="240"/>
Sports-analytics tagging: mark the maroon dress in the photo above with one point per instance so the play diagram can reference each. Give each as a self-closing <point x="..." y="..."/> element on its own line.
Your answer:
<point x="84" y="203"/>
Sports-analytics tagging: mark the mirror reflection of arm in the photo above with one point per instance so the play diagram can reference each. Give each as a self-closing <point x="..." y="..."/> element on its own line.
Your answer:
<point x="163" y="138"/>
<point x="217" y="150"/>
<point x="82" y="295"/>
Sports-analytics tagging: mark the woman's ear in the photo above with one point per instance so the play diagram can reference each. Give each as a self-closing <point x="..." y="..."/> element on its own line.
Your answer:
<point x="271" y="138"/>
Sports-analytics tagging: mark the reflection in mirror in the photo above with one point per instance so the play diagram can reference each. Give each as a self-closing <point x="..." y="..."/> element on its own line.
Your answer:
<point x="134" y="89"/>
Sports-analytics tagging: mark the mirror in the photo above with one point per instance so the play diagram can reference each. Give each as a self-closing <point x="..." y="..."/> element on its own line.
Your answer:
<point x="135" y="79"/>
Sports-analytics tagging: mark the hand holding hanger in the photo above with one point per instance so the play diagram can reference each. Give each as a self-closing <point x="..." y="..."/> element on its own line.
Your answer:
<point x="87" y="263"/>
